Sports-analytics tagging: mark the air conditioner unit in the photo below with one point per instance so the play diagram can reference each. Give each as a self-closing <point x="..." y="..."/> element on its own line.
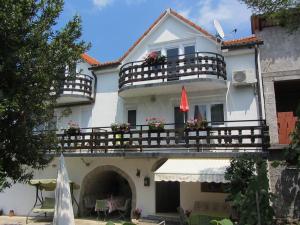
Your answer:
<point x="243" y="77"/>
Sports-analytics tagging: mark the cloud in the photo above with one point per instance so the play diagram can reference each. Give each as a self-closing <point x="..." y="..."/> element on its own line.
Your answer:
<point x="231" y="14"/>
<point x="100" y="4"/>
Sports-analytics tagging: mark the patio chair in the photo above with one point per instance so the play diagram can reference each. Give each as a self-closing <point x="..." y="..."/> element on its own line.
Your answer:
<point x="101" y="206"/>
<point x="125" y="209"/>
<point x="46" y="207"/>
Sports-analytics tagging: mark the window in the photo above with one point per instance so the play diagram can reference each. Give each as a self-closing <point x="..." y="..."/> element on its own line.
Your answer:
<point x="132" y="118"/>
<point x="217" y="113"/>
<point x="172" y="53"/>
<point x="189" y="50"/>
<point x="213" y="187"/>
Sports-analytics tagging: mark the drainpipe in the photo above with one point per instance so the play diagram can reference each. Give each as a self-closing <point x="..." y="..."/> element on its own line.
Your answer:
<point x="259" y="87"/>
<point x="95" y="85"/>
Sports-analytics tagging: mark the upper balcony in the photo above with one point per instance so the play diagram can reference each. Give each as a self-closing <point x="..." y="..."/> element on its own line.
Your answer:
<point x="78" y="90"/>
<point x="198" y="71"/>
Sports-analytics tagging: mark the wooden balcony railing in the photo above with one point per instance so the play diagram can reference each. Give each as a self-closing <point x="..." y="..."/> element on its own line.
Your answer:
<point x="215" y="138"/>
<point x="81" y="85"/>
<point x="199" y="64"/>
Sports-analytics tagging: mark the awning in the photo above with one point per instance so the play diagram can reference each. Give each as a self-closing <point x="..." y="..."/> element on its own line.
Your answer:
<point x="193" y="170"/>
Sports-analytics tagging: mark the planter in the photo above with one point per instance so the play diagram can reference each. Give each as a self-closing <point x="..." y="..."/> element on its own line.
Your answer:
<point x="11" y="213"/>
<point x="156" y="129"/>
<point x="120" y="131"/>
<point x="73" y="131"/>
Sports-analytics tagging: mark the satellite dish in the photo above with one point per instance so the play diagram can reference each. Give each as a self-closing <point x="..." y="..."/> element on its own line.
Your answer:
<point x="219" y="29"/>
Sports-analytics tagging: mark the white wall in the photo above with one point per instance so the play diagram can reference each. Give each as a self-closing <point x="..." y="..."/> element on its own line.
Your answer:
<point x="20" y="197"/>
<point x="191" y="192"/>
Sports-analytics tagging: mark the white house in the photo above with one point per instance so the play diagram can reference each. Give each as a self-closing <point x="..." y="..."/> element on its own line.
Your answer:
<point x="159" y="170"/>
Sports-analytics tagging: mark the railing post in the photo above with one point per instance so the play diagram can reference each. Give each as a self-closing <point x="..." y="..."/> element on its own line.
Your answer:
<point x="106" y="142"/>
<point x="141" y="138"/>
<point x="197" y="141"/>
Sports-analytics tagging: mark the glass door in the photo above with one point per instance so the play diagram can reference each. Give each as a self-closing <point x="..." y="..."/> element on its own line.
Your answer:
<point x="172" y="61"/>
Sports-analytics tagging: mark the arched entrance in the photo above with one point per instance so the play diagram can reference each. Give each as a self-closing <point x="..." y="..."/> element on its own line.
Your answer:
<point x="105" y="182"/>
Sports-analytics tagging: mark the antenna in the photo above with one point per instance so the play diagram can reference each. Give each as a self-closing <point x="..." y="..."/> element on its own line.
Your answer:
<point x="219" y="29"/>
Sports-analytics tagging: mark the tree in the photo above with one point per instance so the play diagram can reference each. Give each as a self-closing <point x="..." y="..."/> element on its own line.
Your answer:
<point x="249" y="190"/>
<point x="33" y="58"/>
<point x="284" y="12"/>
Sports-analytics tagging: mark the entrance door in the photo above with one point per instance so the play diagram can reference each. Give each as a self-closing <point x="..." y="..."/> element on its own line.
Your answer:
<point x="179" y="120"/>
<point x="167" y="197"/>
<point x="172" y="60"/>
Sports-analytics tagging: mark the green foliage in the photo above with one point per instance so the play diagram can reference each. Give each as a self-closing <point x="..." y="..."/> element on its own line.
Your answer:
<point x="292" y="153"/>
<point x="33" y="58"/>
<point x="221" y="222"/>
<point x="248" y="180"/>
<point x="283" y="12"/>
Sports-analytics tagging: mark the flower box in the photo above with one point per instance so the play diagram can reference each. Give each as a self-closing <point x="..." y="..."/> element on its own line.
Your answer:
<point x="153" y="59"/>
<point x="155" y="124"/>
<point x="73" y="128"/>
<point x="196" y="125"/>
<point x="120" y="128"/>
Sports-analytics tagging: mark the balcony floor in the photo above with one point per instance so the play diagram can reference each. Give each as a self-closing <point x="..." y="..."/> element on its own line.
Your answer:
<point x="172" y="87"/>
<point x="73" y="99"/>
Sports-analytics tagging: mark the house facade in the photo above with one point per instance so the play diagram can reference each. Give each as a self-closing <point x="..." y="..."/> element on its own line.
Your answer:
<point x="157" y="161"/>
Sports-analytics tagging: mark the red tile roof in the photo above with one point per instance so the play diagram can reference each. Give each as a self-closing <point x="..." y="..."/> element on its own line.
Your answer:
<point x="226" y="44"/>
<point x="251" y="40"/>
<point x="90" y="60"/>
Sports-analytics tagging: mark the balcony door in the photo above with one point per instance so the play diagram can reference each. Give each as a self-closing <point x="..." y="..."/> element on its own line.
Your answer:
<point x="179" y="120"/>
<point x="172" y="61"/>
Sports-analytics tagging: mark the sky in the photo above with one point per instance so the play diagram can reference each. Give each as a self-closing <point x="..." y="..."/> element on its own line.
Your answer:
<point x="112" y="26"/>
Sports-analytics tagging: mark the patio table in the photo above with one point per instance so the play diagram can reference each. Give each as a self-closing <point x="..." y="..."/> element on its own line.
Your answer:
<point x="113" y="203"/>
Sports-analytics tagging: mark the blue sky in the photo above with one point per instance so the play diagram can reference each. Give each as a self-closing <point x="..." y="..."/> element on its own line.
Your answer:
<point x="112" y="26"/>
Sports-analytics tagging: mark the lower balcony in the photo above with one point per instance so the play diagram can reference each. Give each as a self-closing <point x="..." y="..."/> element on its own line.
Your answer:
<point x="231" y="137"/>
<point x="79" y="90"/>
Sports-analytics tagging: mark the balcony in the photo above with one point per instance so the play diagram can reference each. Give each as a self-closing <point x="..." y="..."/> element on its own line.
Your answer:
<point x="231" y="137"/>
<point x="79" y="90"/>
<point x="200" y="71"/>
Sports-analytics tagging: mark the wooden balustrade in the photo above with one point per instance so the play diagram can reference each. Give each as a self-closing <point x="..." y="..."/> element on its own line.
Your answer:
<point x="80" y="85"/>
<point x="199" y="64"/>
<point x="221" y="138"/>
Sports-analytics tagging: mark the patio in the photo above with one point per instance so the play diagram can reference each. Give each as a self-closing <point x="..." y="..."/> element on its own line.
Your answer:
<point x="19" y="220"/>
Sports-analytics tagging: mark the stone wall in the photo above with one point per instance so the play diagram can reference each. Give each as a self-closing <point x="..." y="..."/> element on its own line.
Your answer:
<point x="285" y="184"/>
<point x="280" y="61"/>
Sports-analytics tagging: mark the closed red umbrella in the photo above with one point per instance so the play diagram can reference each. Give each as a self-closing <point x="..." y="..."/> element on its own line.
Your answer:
<point x="184" y="104"/>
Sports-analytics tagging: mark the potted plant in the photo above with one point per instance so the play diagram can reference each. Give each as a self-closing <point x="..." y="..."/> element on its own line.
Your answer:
<point x="136" y="213"/>
<point x="120" y="127"/>
<point x="73" y="128"/>
<point x="153" y="58"/>
<point x="155" y="124"/>
<point x="188" y="213"/>
<point x="196" y="124"/>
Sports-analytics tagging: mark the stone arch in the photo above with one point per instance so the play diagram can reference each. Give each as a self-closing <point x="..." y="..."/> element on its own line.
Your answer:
<point x="106" y="168"/>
